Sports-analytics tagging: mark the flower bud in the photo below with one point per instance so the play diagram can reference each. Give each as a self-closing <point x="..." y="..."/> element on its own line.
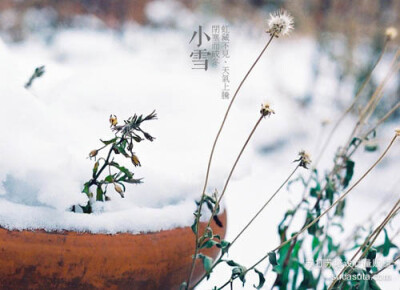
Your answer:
<point x="135" y="160"/>
<point x="93" y="153"/>
<point x="113" y="120"/>
<point x="119" y="190"/>
<point x="397" y="132"/>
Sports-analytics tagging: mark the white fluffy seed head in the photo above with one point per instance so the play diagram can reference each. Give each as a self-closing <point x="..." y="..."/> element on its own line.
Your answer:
<point x="280" y="23"/>
<point x="391" y="33"/>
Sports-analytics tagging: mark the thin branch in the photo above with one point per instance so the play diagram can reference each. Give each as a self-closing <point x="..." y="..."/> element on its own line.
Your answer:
<point x="265" y="205"/>
<point x="211" y="157"/>
<point x="333" y="205"/>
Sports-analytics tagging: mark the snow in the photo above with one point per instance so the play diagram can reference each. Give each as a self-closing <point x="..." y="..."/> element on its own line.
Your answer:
<point x="48" y="131"/>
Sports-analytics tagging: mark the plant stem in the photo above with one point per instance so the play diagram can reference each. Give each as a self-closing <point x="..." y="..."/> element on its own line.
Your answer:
<point x="216" y="207"/>
<point x="93" y="181"/>
<point x="222" y="254"/>
<point x="383" y="119"/>
<point x="211" y="157"/>
<point x="387" y="266"/>
<point x="265" y="205"/>
<point x="332" y="206"/>
<point x="341" y="118"/>
<point x="348" y="110"/>
<point x="373" y="236"/>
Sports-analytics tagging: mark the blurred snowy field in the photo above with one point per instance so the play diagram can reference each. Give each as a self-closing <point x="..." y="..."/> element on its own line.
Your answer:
<point x="48" y="130"/>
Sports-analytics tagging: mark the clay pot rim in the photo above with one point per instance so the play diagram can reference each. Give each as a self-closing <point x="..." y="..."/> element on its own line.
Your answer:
<point x="66" y="232"/>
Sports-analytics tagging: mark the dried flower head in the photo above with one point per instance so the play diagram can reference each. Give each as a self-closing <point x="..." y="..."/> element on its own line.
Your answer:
<point x="304" y="159"/>
<point x="280" y="23"/>
<point x="266" y="110"/>
<point x="397" y="132"/>
<point x="391" y="33"/>
<point x="119" y="190"/>
<point x="93" y="153"/>
<point x="135" y="160"/>
<point x="113" y="120"/>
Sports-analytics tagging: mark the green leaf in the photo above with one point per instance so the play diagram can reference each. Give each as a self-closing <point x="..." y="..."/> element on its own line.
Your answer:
<point x="99" y="194"/>
<point x="87" y="208"/>
<point x="110" y="178"/>
<point x="95" y="168"/>
<point x="272" y="258"/>
<point x="308" y="279"/>
<point x="218" y="237"/>
<point x="339" y="211"/>
<point x="239" y="271"/>
<point x="261" y="279"/>
<point x="371" y="256"/>
<point x="86" y="188"/>
<point x="355" y="141"/>
<point x="232" y="263"/>
<point x="373" y="285"/>
<point x="331" y="246"/>
<point x="224" y="245"/>
<point x="209" y="244"/>
<point x="386" y="246"/>
<point x="194" y="227"/>
<point x="315" y="190"/>
<point x="109" y="141"/>
<point x="122" y="169"/>
<point x="315" y="243"/>
<point x="121" y="150"/>
<point x="371" y="147"/>
<point x="207" y="262"/>
<point x="329" y="191"/>
<point x="349" y="173"/>
<point x="133" y="181"/>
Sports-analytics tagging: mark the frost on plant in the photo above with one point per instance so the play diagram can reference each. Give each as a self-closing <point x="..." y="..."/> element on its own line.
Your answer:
<point x="280" y="23"/>
<point x="107" y="171"/>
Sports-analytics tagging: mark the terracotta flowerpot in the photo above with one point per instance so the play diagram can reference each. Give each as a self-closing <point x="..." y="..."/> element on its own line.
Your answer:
<point x="70" y="260"/>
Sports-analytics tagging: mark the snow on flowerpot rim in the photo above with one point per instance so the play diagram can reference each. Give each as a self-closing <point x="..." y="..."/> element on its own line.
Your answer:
<point x="98" y="243"/>
<point x="59" y="260"/>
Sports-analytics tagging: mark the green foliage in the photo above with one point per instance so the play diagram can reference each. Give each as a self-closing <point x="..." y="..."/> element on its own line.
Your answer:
<point x="272" y="259"/>
<point x="121" y="144"/>
<point x="207" y="262"/>
<point x="261" y="279"/>
<point x="384" y="249"/>
<point x="349" y="173"/>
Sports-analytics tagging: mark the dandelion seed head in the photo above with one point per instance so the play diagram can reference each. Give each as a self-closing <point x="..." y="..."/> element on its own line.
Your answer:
<point x="391" y="33"/>
<point x="266" y="110"/>
<point x="304" y="159"/>
<point x="280" y="23"/>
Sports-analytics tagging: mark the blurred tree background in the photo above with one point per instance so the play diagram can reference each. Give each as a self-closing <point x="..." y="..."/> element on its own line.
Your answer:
<point x="341" y="28"/>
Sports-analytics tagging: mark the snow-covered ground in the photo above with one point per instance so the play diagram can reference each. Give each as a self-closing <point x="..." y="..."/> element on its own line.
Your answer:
<point x="48" y="130"/>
